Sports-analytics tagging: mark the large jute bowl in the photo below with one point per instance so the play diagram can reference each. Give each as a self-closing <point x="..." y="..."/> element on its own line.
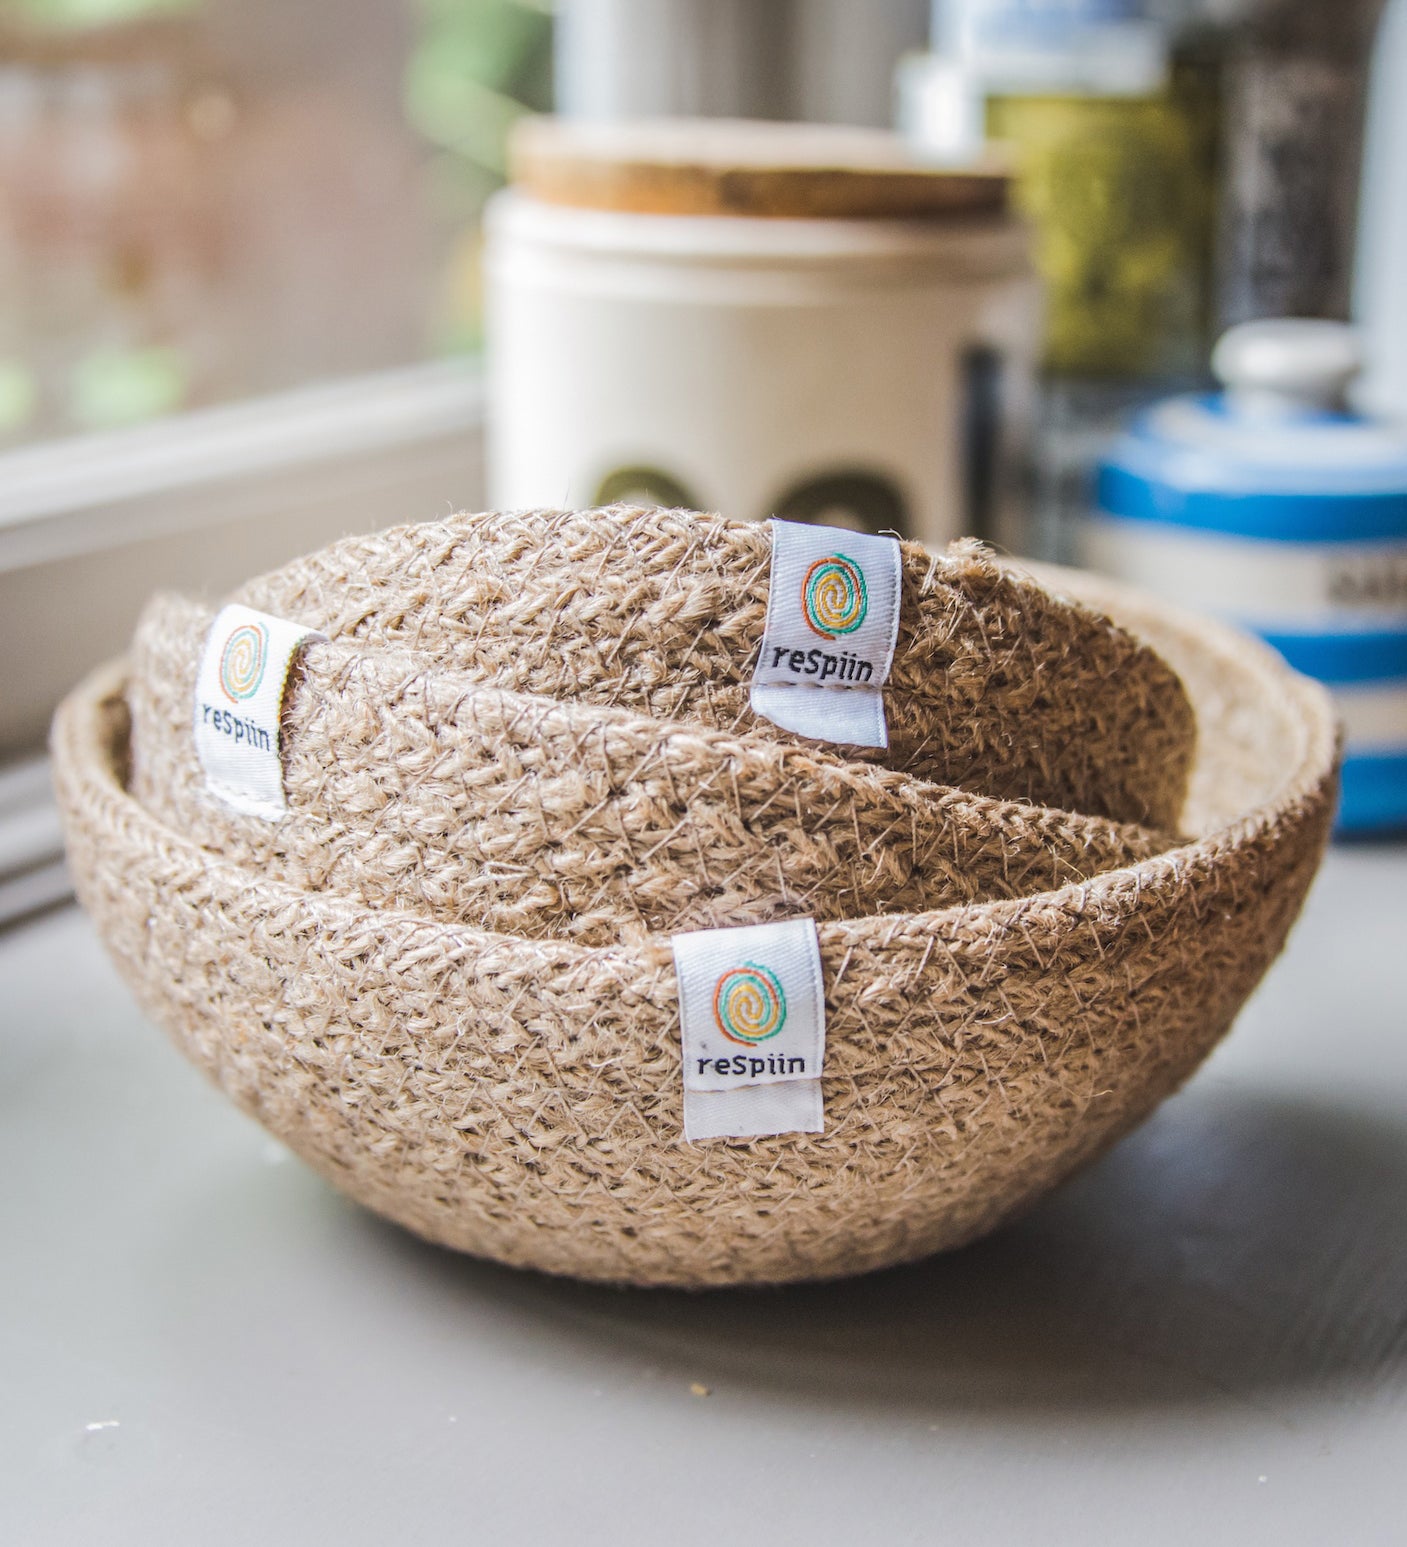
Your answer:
<point x="520" y="1098"/>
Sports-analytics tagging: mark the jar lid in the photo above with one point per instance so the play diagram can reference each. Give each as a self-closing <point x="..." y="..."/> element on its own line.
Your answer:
<point x="1275" y="455"/>
<point x="720" y="166"/>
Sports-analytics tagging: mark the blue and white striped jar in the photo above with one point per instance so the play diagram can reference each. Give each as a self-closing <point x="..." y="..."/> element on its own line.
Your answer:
<point x="1271" y="505"/>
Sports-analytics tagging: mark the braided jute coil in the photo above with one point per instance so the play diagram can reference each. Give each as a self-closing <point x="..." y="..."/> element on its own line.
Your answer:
<point x="413" y="787"/>
<point x="521" y="1097"/>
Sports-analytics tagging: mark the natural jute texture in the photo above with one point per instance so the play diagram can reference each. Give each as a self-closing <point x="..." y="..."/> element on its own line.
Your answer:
<point x="521" y="1097"/>
<point x="413" y="787"/>
<point x="996" y="686"/>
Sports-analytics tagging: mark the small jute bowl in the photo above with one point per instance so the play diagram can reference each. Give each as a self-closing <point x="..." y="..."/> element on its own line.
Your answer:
<point x="520" y="1098"/>
<point x="997" y="686"/>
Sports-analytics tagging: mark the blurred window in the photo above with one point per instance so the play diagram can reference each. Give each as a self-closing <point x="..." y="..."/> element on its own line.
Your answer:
<point x="204" y="200"/>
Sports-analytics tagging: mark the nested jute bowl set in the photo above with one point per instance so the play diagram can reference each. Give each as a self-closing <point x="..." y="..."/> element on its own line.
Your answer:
<point x="523" y="757"/>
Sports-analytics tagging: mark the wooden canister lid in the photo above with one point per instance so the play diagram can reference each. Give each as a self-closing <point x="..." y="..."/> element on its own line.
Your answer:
<point x="723" y="166"/>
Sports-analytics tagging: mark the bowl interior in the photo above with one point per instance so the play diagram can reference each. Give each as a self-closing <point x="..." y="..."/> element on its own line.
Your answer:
<point x="1264" y="733"/>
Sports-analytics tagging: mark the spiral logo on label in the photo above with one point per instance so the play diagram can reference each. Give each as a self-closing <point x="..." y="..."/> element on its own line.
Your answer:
<point x="749" y="1005"/>
<point x="833" y="596"/>
<point x="242" y="661"/>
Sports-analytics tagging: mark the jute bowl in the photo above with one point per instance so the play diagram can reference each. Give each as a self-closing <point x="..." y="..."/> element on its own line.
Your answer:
<point x="996" y="686"/>
<point x="520" y="1098"/>
<point x="414" y="787"/>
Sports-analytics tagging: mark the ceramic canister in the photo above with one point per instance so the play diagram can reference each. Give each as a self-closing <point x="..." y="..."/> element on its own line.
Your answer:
<point x="762" y="319"/>
<point x="1274" y="506"/>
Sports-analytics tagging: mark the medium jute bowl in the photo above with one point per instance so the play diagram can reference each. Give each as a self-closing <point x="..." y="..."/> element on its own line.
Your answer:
<point x="520" y="1097"/>
<point x="410" y="786"/>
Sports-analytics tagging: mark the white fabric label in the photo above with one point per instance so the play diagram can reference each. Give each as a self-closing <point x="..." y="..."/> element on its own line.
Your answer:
<point x="238" y="700"/>
<point x="832" y="623"/>
<point x="753" y="1012"/>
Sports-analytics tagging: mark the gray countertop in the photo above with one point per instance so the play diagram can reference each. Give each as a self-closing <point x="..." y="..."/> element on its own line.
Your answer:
<point x="1202" y="1340"/>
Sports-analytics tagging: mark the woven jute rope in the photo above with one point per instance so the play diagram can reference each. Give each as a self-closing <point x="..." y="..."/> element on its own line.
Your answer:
<point x="519" y="1096"/>
<point x="413" y="787"/>
<point x="996" y="686"/>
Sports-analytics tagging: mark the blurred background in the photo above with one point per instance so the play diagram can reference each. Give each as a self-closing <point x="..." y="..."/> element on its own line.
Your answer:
<point x="247" y="277"/>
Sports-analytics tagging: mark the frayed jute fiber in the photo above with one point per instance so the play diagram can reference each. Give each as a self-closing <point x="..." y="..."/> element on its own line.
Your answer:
<point x="513" y="1089"/>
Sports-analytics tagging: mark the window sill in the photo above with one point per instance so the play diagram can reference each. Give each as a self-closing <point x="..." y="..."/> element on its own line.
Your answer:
<point x="90" y="526"/>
